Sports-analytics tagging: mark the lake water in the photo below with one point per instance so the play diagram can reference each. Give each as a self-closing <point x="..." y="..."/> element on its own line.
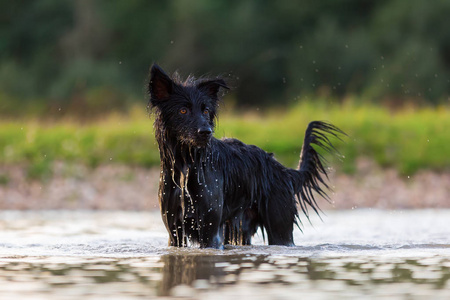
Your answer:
<point x="123" y="255"/>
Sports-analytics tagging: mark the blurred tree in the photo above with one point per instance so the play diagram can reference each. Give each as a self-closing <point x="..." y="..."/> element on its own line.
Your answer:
<point x="413" y="41"/>
<point x="67" y="52"/>
<point x="30" y="55"/>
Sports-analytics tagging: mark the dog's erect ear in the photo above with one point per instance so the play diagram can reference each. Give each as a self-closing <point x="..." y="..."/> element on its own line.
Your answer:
<point x="160" y="85"/>
<point x="211" y="87"/>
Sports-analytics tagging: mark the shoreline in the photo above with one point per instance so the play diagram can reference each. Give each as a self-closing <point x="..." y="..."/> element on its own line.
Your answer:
<point x="120" y="187"/>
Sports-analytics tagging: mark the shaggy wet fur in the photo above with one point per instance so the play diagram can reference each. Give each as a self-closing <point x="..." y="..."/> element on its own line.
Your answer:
<point x="214" y="192"/>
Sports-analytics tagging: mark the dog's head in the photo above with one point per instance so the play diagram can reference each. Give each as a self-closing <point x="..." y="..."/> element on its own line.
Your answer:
<point x="186" y="110"/>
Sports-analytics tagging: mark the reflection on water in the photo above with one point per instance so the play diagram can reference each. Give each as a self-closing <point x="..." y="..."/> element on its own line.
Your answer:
<point x="223" y="276"/>
<point x="356" y="254"/>
<point x="186" y="270"/>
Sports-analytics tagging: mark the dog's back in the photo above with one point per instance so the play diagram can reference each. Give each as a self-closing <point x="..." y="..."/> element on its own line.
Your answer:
<point x="259" y="192"/>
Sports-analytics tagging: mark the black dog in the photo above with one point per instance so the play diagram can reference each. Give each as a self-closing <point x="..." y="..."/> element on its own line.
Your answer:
<point x="214" y="192"/>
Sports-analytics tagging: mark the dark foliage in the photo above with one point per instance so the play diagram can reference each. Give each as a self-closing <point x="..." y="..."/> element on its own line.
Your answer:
<point x="215" y="192"/>
<point x="74" y="54"/>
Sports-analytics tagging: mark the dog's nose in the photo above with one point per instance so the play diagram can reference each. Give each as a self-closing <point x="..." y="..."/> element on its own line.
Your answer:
<point x="204" y="131"/>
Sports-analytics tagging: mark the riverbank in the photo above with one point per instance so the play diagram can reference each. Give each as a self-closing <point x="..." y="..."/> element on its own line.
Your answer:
<point x="120" y="187"/>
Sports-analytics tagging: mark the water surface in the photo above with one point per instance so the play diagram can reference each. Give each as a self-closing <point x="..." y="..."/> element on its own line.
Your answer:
<point x="124" y="255"/>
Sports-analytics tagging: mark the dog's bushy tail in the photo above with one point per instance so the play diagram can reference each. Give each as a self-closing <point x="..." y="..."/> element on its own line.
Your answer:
<point x="311" y="176"/>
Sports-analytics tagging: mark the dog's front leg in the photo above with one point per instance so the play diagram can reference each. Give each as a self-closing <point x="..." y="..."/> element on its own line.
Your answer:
<point x="211" y="229"/>
<point x="171" y="212"/>
<point x="208" y="203"/>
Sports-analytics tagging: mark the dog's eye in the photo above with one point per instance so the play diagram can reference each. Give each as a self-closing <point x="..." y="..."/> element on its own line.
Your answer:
<point x="183" y="111"/>
<point x="206" y="111"/>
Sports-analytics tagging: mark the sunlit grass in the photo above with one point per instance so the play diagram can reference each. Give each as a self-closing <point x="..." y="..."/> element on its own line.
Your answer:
<point x="409" y="139"/>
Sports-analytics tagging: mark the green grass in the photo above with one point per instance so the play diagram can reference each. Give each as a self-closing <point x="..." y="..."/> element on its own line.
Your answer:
<point x="409" y="140"/>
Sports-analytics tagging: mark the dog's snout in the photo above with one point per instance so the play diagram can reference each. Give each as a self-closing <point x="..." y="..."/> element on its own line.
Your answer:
<point x="204" y="130"/>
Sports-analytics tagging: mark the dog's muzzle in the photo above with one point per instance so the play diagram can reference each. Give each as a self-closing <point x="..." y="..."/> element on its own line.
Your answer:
<point x="204" y="134"/>
<point x="204" y="131"/>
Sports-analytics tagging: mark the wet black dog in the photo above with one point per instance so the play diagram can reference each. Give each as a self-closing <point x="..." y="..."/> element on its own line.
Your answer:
<point x="214" y="192"/>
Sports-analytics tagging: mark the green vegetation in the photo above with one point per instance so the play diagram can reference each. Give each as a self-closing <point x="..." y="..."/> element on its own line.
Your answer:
<point x="409" y="140"/>
<point x="88" y="56"/>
